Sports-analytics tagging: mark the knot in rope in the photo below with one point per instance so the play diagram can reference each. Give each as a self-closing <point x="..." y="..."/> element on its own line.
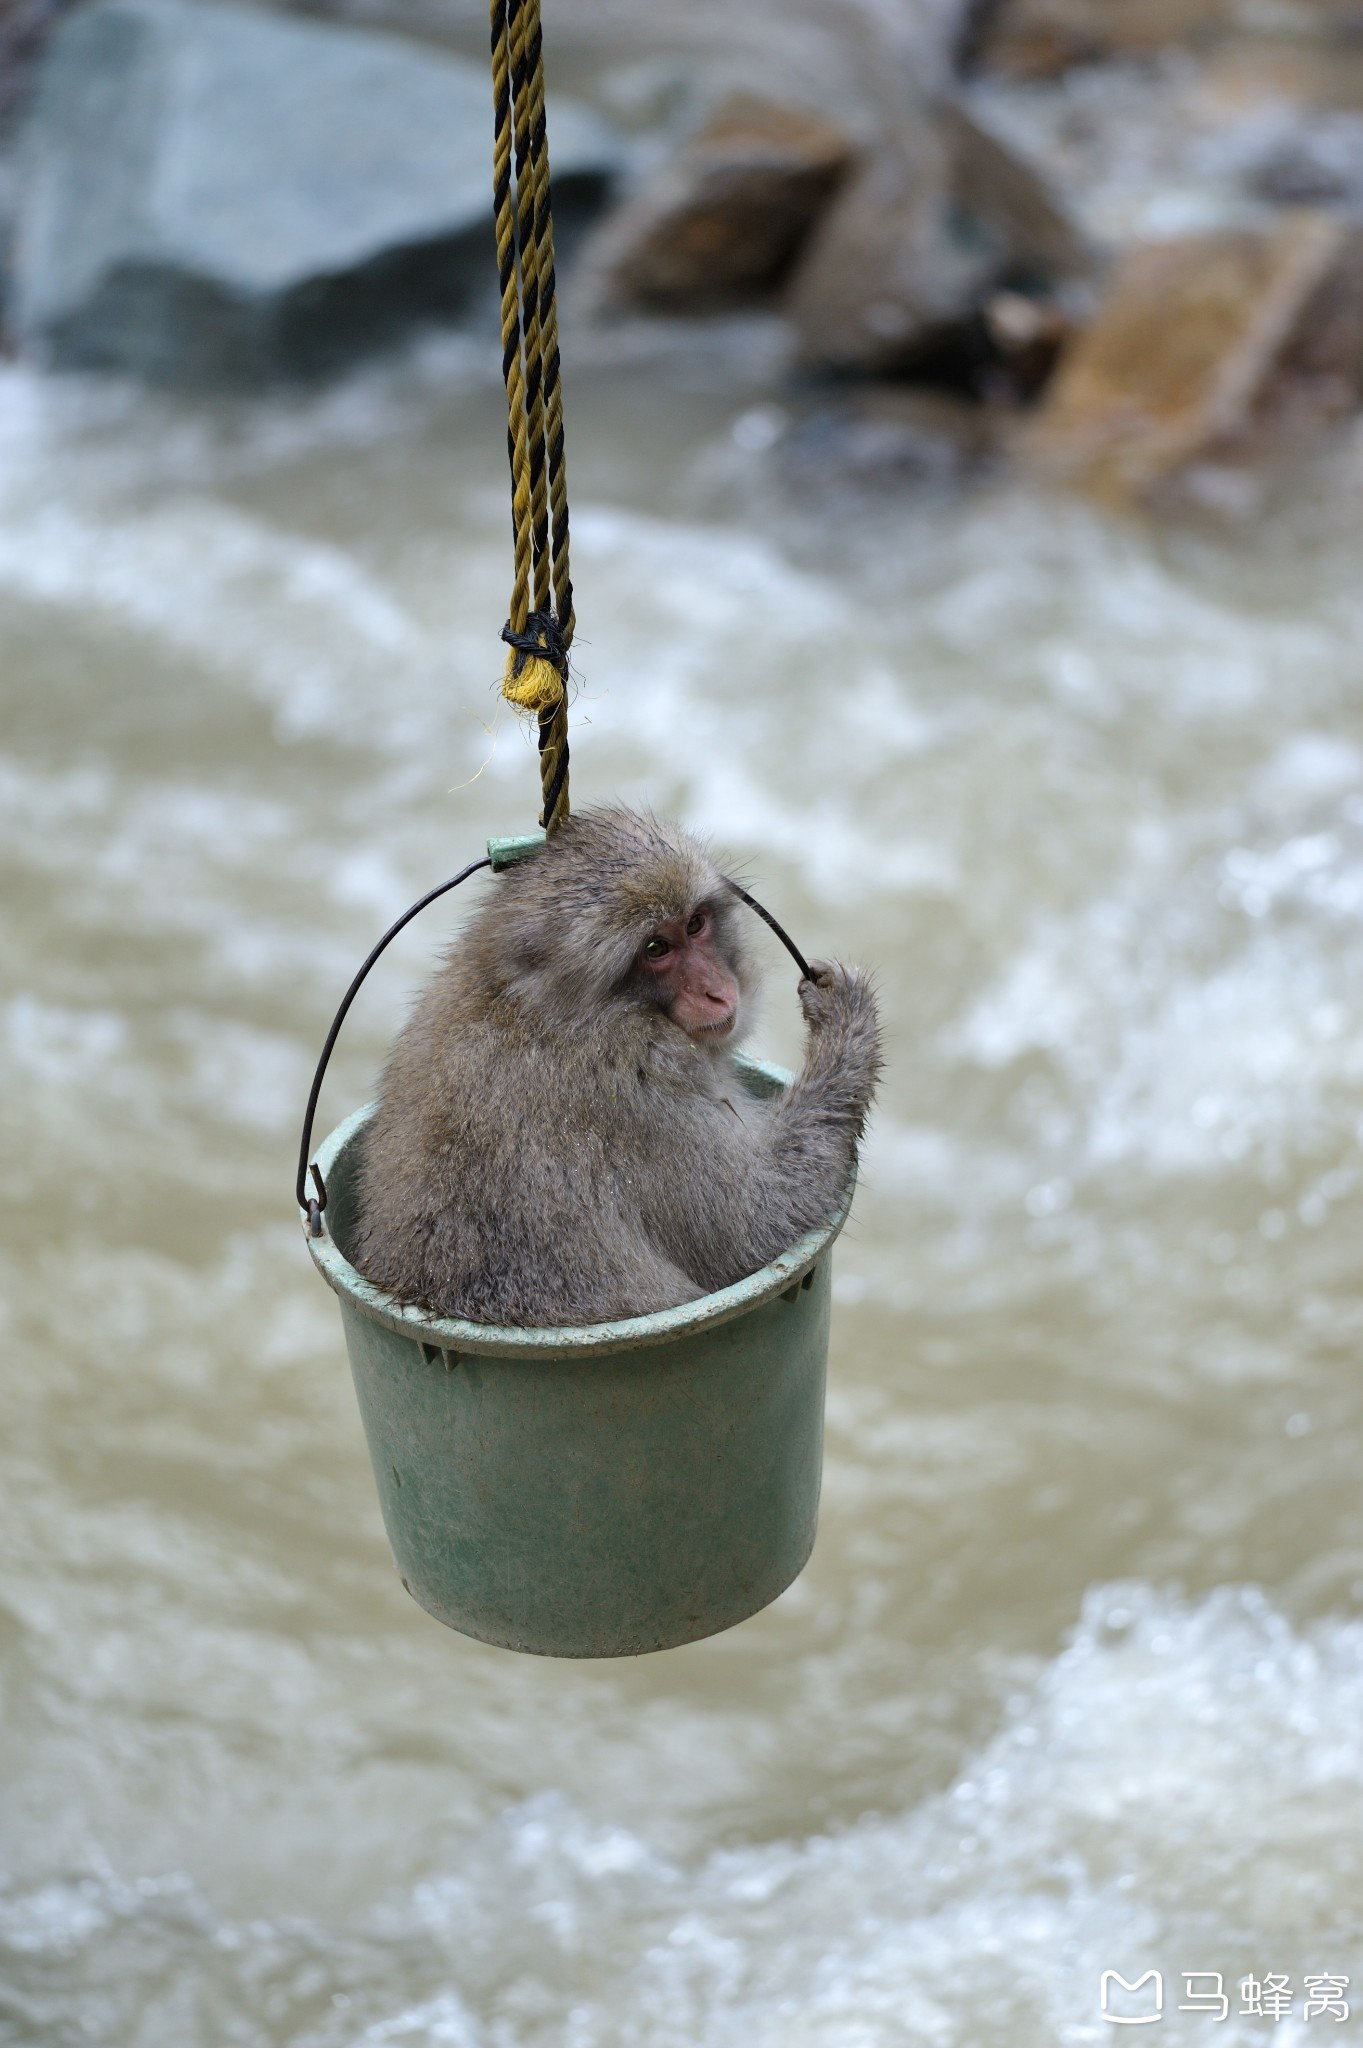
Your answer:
<point x="536" y="677"/>
<point x="536" y="680"/>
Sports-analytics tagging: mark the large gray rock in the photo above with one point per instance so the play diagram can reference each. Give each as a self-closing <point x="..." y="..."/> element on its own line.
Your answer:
<point x="213" y="194"/>
<point x="904" y="262"/>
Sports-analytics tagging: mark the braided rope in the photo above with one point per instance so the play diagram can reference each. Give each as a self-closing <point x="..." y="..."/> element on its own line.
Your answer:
<point x="527" y="237"/>
<point x="538" y="630"/>
<point x="548" y="321"/>
<point x="505" y="227"/>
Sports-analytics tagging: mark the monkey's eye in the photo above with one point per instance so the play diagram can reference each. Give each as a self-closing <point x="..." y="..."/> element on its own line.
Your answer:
<point x="657" y="949"/>
<point x="697" y="924"/>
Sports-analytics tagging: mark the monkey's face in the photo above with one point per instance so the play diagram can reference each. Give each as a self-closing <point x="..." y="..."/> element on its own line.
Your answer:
<point x="683" y="964"/>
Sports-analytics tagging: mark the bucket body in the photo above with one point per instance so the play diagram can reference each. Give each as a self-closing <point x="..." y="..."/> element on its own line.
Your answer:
<point x="602" y="1490"/>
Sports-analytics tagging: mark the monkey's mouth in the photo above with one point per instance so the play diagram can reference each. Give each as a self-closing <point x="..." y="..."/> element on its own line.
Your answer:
<point x="720" y="1030"/>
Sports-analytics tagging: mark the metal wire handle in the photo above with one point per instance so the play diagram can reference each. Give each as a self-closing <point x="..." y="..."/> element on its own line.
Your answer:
<point x="315" y="1203"/>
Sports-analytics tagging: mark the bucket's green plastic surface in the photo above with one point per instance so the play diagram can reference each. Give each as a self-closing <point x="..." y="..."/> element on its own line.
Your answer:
<point x="602" y="1490"/>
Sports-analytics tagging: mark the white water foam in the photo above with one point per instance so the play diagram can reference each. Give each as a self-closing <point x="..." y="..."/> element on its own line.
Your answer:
<point x="1181" y="1789"/>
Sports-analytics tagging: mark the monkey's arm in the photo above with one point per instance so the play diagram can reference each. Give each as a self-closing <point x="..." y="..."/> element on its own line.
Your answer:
<point x="744" y="1191"/>
<point x="813" y="1129"/>
<point x="843" y="1058"/>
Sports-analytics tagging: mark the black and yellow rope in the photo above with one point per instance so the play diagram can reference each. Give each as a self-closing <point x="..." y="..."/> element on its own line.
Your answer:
<point x="539" y="627"/>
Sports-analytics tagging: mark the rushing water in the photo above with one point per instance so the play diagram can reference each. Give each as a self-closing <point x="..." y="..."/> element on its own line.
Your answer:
<point x="1074" y="1680"/>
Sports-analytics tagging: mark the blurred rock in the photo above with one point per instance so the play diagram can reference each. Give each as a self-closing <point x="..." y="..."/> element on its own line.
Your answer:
<point x="1320" y="370"/>
<point x="886" y="271"/>
<point x="664" y="95"/>
<point x="1009" y="195"/>
<point x="1144" y="151"/>
<point x="898" y="273"/>
<point x="25" y="26"/>
<point x="844" y="57"/>
<point x="883" y="436"/>
<point x="1198" y="341"/>
<point x="1026" y="337"/>
<point x="1340" y="21"/>
<point x="1041" y="38"/>
<point x="1318" y="162"/>
<point x="726" y="218"/>
<point x="214" y="194"/>
<point x="1304" y="73"/>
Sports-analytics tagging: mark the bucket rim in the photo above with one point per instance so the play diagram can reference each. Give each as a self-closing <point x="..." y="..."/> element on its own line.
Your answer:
<point x="575" y="1340"/>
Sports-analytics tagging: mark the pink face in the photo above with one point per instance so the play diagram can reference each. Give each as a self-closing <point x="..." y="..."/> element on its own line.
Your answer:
<point x="696" y="988"/>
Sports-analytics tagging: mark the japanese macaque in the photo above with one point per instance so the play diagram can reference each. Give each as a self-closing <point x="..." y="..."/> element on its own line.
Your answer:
<point x="562" y="1135"/>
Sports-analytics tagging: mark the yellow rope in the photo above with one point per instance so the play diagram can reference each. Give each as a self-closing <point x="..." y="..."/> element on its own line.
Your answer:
<point x="538" y="633"/>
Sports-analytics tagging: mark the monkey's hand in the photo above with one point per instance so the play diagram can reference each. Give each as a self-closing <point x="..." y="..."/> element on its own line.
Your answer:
<point x="834" y="994"/>
<point x="844" y="1033"/>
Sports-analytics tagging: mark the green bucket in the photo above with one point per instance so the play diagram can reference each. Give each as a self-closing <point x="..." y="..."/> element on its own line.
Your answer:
<point x="601" y="1490"/>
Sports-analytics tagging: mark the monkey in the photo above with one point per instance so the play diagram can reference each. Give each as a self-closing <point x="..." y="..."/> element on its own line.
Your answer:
<point x="562" y="1136"/>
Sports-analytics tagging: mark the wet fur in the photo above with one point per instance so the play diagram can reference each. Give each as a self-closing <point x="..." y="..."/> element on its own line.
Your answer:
<point x="550" y="1148"/>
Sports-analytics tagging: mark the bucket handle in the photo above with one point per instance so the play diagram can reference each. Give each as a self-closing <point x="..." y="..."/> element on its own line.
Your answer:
<point x="500" y="853"/>
<point x="314" y="1204"/>
<point x="806" y="971"/>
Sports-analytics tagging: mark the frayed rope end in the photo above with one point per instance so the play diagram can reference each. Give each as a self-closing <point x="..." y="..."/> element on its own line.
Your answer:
<point x="536" y="677"/>
<point x="532" y="682"/>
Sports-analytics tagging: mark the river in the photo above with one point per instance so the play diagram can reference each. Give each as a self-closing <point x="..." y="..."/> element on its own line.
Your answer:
<point x="1074" y="1680"/>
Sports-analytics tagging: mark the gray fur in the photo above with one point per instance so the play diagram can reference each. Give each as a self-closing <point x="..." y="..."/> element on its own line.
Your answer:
<point x="550" y="1148"/>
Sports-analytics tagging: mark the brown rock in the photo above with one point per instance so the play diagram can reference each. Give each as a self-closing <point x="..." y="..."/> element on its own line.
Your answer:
<point x="725" y="220"/>
<point x="1196" y="344"/>
<point x="906" y="257"/>
<point x="1041" y="38"/>
<point x="1316" y="73"/>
